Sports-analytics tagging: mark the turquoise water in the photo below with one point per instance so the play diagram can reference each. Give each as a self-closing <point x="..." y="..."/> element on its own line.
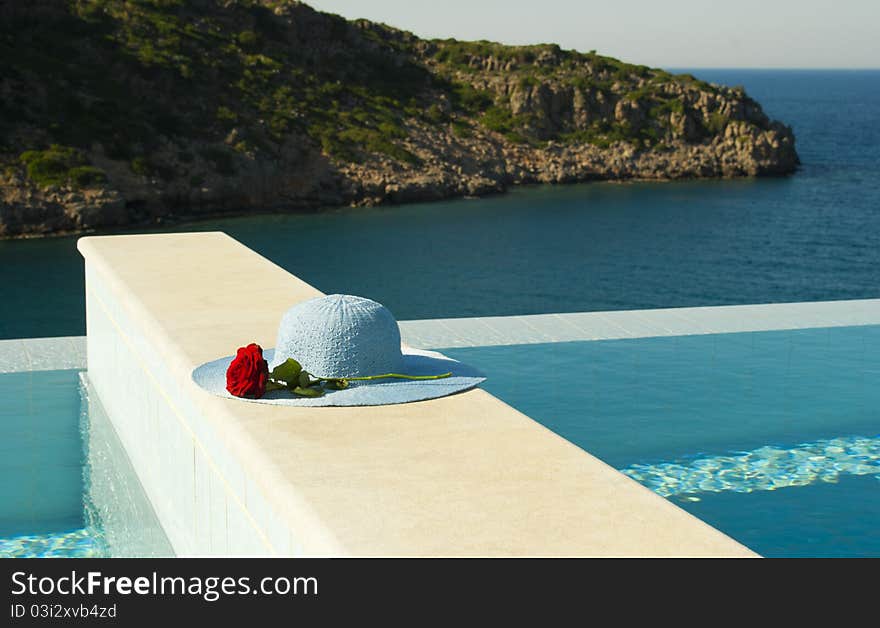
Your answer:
<point x="812" y="236"/>
<point x="772" y="437"/>
<point x="67" y="488"/>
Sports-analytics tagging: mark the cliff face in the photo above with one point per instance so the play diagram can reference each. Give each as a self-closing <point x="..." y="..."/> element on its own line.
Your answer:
<point x="115" y="112"/>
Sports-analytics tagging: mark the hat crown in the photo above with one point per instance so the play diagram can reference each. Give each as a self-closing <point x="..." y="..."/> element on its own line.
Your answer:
<point x="340" y="335"/>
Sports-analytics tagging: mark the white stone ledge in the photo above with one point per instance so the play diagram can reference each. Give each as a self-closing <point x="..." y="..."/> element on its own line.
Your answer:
<point x="540" y="328"/>
<point x="466" y="475"/>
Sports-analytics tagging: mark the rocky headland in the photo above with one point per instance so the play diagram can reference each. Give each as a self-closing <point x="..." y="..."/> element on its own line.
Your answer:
<point x="117" y="112"/>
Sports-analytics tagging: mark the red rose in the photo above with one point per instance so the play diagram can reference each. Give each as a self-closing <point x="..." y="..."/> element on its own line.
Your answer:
<point x="248" y="373"/>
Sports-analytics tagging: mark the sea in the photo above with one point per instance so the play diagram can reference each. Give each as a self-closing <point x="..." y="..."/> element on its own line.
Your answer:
<point x="814" y="235"/>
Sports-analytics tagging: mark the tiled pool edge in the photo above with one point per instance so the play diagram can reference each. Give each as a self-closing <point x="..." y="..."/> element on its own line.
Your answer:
<point x="616" y="325"/>
<point x="42" y="354"/>
<point x="141" y="364"/>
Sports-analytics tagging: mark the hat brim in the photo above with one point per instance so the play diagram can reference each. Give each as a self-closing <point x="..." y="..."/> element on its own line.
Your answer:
<point x="212" y="377"/>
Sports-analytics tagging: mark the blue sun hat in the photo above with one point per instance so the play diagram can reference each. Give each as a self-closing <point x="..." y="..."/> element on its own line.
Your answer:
<point x="342" y="336"/>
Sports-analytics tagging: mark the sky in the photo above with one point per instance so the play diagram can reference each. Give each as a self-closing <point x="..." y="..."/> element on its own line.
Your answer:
<point x="660" y="33"/>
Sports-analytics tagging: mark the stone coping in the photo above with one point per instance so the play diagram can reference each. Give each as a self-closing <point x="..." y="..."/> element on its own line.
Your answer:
<point x="465" y="475"/>
<point x="616" y="325"/>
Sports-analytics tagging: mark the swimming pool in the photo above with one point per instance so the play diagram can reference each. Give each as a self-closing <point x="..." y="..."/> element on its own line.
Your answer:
<point x="772" y="437"/>
<point x="67" y="488"/>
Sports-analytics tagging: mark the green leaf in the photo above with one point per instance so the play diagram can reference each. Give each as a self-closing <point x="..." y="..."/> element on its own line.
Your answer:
<point x="304" y="379"/>
<point x="288" y="371"/>
<point x="308" y="392"/>
<point x="337" y="384"/>
<point x="270" y="385"/>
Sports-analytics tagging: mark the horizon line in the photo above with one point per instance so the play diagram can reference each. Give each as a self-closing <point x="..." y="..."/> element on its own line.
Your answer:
<point x="772" y="68"/>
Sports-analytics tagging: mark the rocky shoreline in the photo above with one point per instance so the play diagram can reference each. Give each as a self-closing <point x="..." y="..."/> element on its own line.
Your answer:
<point x="29" y="211"/>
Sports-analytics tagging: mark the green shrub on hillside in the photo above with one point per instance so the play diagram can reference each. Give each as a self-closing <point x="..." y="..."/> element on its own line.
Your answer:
<point x="151" y="167"/>
<point x="220" y="158"/>
<point x="140" y="166"/>
<point x="435" y="114"/>
<point x="499" y="119"/>
<point x="248" y="39"/>
<point x="461" y="129"/>
<point x="61" y="165"/>
<point x="716" y="123"/>
<point x="471" y="100"/>
<point x="372" y="141"/>
<point x="603" y="134"/>
<point x="87" y="176"/>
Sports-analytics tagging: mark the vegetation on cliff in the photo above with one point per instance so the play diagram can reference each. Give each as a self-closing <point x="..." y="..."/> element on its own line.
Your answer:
<point x="120" y="111"/>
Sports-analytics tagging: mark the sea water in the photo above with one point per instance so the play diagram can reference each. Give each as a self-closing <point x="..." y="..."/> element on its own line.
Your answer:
<point x="597" y="246"/>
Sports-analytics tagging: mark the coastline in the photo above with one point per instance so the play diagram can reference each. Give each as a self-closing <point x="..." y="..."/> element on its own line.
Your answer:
<point x="185" y="219"/>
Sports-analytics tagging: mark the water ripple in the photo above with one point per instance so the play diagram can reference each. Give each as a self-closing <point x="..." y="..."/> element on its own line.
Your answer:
<point x="81" y="543"/>
<point x="763" y="469"/>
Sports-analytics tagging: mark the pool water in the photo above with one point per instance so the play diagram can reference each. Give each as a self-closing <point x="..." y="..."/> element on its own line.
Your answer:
<point x="772" y="437"/>
<point x="67" y="488"/>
